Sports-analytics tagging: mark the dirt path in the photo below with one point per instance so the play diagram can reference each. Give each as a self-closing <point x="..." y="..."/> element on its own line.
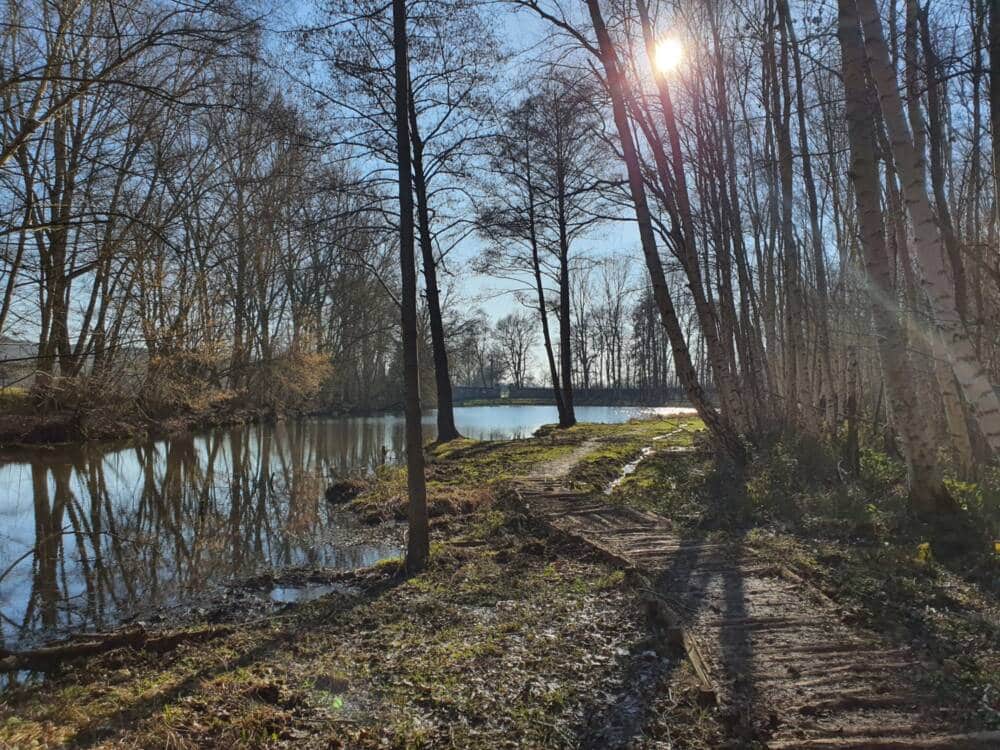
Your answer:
<point x="785" y="669"/>
<point x="560" y="467"/>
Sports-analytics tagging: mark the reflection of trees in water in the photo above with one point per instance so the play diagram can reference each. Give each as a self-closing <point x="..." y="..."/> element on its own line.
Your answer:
<point x="150" y="524"/>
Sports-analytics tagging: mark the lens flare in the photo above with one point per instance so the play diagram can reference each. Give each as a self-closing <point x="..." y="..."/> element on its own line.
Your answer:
<point x="669" y="55"/>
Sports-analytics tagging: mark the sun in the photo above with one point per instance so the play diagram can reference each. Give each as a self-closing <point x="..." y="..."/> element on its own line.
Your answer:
<point x="669" y="54"/>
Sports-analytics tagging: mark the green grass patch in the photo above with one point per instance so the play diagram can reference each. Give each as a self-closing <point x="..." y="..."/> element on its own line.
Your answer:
<point x="463" y="474"/>
<point x="505" y="637"/>
<point x="15" y="400"/>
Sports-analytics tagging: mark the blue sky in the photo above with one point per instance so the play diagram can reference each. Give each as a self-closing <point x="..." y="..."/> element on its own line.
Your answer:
<point x="527" y="36"/>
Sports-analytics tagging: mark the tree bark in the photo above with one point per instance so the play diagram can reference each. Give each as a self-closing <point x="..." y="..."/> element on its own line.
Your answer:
<point x="935" y="130"/>
<point x="994" y="84"/>
<point x="442" y="379"/>
<point x="927" y="491"/>
<point x="568" y="417"/>
<point x="826" y="392"/>
<point x="418" y="540"/>
<point x="969" y="371"/>
<point x="543" y="312"/>
<point x="675" y="190"/>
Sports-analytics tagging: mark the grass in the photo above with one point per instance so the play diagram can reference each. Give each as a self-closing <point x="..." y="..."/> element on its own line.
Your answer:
<point x="514" y="639"/>
<point x="15" y="400"/>
<point x="507" y="639"/>
<point x="462" y="475"/>
<point x="618" y="445"/>
<point x="855" y="540"/>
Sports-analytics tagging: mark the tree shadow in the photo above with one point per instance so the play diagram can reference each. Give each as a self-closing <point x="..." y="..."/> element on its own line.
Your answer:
<point x="689" y="585"/>
<point x="104" y="728"/>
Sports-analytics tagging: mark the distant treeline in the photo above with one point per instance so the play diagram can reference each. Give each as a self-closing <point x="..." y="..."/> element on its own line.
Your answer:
<point x="582" y="396"/>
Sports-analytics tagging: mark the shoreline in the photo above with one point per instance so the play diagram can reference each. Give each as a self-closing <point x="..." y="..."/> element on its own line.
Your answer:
<point x="517" y="631"/>
<point x="23" y="432"/>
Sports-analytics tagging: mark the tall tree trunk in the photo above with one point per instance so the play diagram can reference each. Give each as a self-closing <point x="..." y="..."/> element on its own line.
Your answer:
<point x="568" y="417"/>
<point x="543" y="312"/>
<point x="753" y="365"/>
<point x="994" y="84"/>
<point x="720" y="429"/>
<point x="927" y="491"/>
<point x="958" y="428"/>
<point x="826" y="392"/>
<point x="935" y="120"/>
<point x="673" y="181"/>
<point x="969" y="371"/>
<point x="442" y="378"/>
<point x="794" y="372"/>
<point x="418" y="538"/>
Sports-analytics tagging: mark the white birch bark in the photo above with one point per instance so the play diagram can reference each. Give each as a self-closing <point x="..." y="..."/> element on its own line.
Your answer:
<point x="969" y="372"/>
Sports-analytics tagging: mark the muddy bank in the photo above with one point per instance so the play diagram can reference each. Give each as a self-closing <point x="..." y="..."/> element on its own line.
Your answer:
<point x="509" y="639"/>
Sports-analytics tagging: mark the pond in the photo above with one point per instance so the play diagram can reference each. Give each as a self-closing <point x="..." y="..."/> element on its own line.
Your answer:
<point x="90" y="534"/>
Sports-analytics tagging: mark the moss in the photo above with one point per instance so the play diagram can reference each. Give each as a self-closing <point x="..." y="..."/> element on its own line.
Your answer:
<point x="15" y="400"/>
<point x="461" y="475"/>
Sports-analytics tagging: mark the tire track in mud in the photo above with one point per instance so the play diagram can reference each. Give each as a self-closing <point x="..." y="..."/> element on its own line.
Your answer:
<point x="786" y="671"/>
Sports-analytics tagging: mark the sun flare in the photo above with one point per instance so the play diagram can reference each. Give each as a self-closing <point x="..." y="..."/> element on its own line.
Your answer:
<point x="669" y="54"/>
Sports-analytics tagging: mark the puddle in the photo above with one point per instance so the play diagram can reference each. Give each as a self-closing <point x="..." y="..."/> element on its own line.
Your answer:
<point x="299" y="594"/>
<point x="629" y="469"/>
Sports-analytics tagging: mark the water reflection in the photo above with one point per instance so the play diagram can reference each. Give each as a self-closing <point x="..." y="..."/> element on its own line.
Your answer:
<point x="89" y="534"/>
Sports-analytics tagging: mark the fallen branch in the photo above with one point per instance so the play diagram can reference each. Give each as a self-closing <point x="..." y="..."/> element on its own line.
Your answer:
<point x="48" y="658"/>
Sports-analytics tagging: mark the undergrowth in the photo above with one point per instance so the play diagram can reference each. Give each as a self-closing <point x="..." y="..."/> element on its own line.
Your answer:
<point x="856" y="539"/>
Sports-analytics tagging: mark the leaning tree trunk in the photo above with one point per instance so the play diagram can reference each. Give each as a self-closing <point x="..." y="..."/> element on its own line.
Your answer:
<point x="446" y="429"/>
<point x="720" y="429"/>
<point x="675" y="192"/>
<point x="418" y="540"/>
<point x="972" y="377"/>
<point x="927" y="491"/>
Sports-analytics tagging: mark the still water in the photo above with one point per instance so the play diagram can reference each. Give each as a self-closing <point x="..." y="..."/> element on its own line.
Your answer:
<point x="91" y="534"/>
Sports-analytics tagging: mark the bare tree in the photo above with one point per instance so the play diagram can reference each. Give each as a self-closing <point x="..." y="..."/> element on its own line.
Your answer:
<point x="552" y="184"/>
<point x="516" y="334"/>
<point x="927" y="234"/>
<point x="927" y="490"/>
<point x="418" y="543"/>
